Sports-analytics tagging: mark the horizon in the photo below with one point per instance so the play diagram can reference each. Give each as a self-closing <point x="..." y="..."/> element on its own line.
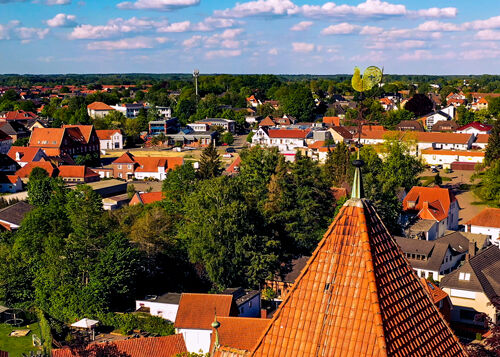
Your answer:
<point x="282" y="37"/>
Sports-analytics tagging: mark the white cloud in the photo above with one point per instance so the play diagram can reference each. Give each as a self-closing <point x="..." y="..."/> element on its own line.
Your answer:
<point x="488" y="35"/>
<point x="303" y="47"/>
<point x="437" y="12"/>
<point x="371" y="30"/>
<point x="194" y="41"/>
<point x="13" y="31"/>
<point x="302" y="26"/>
<point x="57" y="2"/>
<point x="424" y="55"/>
<point x="259" y="7"/>
<point x="409" y="34"/>
<point x="479" y="54"/>
<point x="491" y="23"/>
<point x="380" y="45"/>
<point x="62" y="20"/>
<point x="343" y="28"/>
<point x="372" y="56"/>
<point x="127" y="44"/>
<point x="114" y="27"/>
<point x="222" y="54"/>
<point x="160" y="5"/>
<point x="176" y="27"/>
<point x="437" y="26"/>
<point x="273" y="51"/>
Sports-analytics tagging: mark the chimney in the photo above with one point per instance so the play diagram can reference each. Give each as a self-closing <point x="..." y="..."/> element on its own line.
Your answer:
<point x="263" y="313"/>
<point x="18" y="156"/>
<point x="425" y="205"/>
<point x="472" y="249"/>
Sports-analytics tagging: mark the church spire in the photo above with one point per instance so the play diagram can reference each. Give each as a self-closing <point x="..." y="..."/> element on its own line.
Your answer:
<point x="357" y="185"/>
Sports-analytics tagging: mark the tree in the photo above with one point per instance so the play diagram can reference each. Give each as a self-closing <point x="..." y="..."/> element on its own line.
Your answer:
<point x="438" y="180"/>
<point x="419" y="105"/>
<point x="179" y="182"/>
<point x="249" y="137"/>
<point x="394" y="117"/>
<point x="210" y="163"/>
<point x="21" y="142"/>
<point x="337" y="168"/>
<point x="493" y="149"/>
<point x="464" y="116"/>
<point x="40" y="187"/>
<point x="299" y="103"/>
<point x="489" y="187"/>
<point x="227" y="138"/>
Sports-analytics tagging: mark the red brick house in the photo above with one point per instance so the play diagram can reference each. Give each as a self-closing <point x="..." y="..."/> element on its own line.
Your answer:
<point x="77" y="174"/>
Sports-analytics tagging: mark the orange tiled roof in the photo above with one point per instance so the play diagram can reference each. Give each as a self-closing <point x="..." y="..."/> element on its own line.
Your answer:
<point x="86" y="130"/>
<point x="126" y="158"/>
<point x="241" y="333"/>
<point x="446" y="138"/>
<point x="288" y="133"/>
<point x="432" y="210"/>
<point x="106" y="134"/>
<point x="332" y="120"/>
<point x="166" y="346"/>
<point x="151" y="164"/>
<point x="232" y="168"/>
<point x="146" y="198"/>
<point x="46" y="137"/>
<point x="482" y="138"/>
<point x="99" y="106"/>
<point x="419" y="195"/>
<point x="488" y="217"/>
<point x="386" y="101"/>
<point x="358" y="296"/>
<point x="77" y="171"/>
<point x="20" y="115"/>
<point x="27" y="153"/>
<point x="436" y="293"/>
<point x="267" y="121"/>
<point x="197" y="311"/>
<point x="317" y="144"/>
<point x="25" y="171"/>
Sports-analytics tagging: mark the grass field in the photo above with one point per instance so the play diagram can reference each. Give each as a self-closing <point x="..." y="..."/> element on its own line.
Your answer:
<point x="16" y="346"/>
<point x="427" y="180"/>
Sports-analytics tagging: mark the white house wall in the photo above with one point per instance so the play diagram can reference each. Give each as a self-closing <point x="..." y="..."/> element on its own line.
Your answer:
<point x="196" y="340"/>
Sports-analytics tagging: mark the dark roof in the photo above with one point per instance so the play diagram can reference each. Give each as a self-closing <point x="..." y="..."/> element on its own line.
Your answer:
<point x="290" y="271"/>
<point x="483" y="269"/>
<point x="240" y="295"/>
<point x="434" y="252"/>
<point x="168" y="298"/>
<point x="15" y="213"/>
<point x="410" y="125"/>
<point x="445" y="125"/>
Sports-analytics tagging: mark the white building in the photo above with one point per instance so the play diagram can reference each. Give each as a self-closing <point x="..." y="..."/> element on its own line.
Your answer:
<point x="447" y="157"/>
<point x="486" y="222"/>
<point x="475" y="128"/>
<point x="129" y="110"/>
<point x="110" y="139"/>
<point x="164" y="306"/>
<point x="286" y="140"/>
<point x="226" y="124"/>
<point x="98" y="110"/>
<point x="24" y="154"/>
<point x="447" y="113"/>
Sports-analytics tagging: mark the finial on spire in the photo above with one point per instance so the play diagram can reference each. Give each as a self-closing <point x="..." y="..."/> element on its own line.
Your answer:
<point x="357" y="185"/>
<point x="216" y="325"/>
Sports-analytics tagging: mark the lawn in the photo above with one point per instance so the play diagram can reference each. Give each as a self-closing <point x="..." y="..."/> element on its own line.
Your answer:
<point x="16" y="346"/>
<point x="427" y="180"/>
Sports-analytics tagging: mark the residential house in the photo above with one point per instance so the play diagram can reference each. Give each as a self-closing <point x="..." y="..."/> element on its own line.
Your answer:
<point x="340" y="134"/>
<point x="387" y="104"/>
<point x="23" y="155"/>
<point x="286" y="140"/>
<point x="14" y="129"/>
<point x="331" y="121"/>
<point x="447" y="141"/>
<point x="481" y="141"/>
<point x="72" y="140"/>
<point x="444" y="126"/>
<point x="486" y="222"/>
<point x="247" y="301"/>
<point x="12" y="216"/>
<point x="164" y="346"/>
<point x="20" y="116"/>
<point x="474" y="287"/>
<point x="267" y="122"/>
<point x="5" y="143"/>
<point x="129" y="166"/>
<point x="435" y="258"/>
<point x="481" y="104"/>
<point x="283" y="280"/>
<point x="165" y="112"/>
<point x="318" y="151"/>
<point x="449" y="157"/>
<point x="227" y="124"/>
<point x="253" y="102"/>
<point x="195" y="316"/>
<point x="25" y="171"/>
<point x="475" y="128"/>
<point x="144" y="198"/>
<point x="444" y="114"/>
<point x="128" y="110"/>
<point x="234" y="167"/>
<point x="110" y="139"/>
<point x="98" y="110"/>
<point x="439" y="297"/>
<point x="164" y="306"/>
<point x="10" y="183"/>
<point x="410" y="125"/>
<point x="236" y="336"/>
<point x="7" y="165"/>
<point x="432" y="203"/>
<point x="77" y="174"/>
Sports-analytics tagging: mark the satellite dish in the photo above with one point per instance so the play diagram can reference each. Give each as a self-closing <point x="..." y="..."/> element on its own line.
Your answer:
<point x="371" y="77"/>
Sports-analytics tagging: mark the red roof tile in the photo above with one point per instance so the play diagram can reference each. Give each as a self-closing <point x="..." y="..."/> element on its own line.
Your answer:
<point x="288" y="133"/>
<point x="332" y="120"/>
<point x="166" y="346"/>
<point x="25" y="171"/>
<point x="146" y="198"/>
<point x="234" y="167"/>
<point x="488" y="217"/>
<point x="126" y="158"/>
<point x="317" y="144"/>
<point x="46" y="137"/>
<point x="267" y="121"/>
<point x="99" y="106"/>
<point x="358" y="296"/>
<point x="20" y="115"/>
<point x="198" y="310"/>
<point x="419" y="195"/>
<point x="436" y="293"/>
<point x="476" y="125"/>
<point x="106" y="134"/>
<point x="241" y="333"/>
<point x="85" y="130"/>
<point x="76" y="171"/>
<point x="482" y="138"/>
<point x="27" y="153"/>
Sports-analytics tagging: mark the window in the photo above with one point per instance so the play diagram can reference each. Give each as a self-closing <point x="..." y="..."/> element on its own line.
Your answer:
<point x="129" y="166"/>
<point x="119" y="167"/>
<point x="250" y="303"/>
<point x="464" y="276"/>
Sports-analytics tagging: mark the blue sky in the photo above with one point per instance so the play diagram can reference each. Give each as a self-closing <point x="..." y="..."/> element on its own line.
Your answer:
<point x="254" y="36"/>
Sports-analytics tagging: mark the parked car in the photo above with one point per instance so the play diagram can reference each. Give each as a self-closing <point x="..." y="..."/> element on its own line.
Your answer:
<point x="228" y="155"/>
<point x="230" y="150"/>
<point x="439" y="166"/>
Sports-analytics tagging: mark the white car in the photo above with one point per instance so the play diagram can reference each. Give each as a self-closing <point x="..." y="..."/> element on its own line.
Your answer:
<point x="228" y="155"/>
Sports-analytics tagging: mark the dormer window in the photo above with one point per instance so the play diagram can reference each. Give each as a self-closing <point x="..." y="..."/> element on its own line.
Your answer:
<point x="411" y="204"/>
<point x="464" y="276"/>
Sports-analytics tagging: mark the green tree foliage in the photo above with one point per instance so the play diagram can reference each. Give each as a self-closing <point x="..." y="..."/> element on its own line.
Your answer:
<point x="337" y="168"/>
<point x="464" y="116"/>
<point x="40" y="187"/>
<point x="299" y="103"/>
<point x="394" y="117"/>
<point x="21" y="142"/>
<point x="438" y="180"/>
<point x="488" y="189"/>
<point x="419" y="105"/>
<point x="210" y="163"/>
<point x="222" y="233"/>
<point x="179" y="182"/>
<point x="493" y="149"/>
<point x="494" y="106"/>
<point x="227" y="138"/>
